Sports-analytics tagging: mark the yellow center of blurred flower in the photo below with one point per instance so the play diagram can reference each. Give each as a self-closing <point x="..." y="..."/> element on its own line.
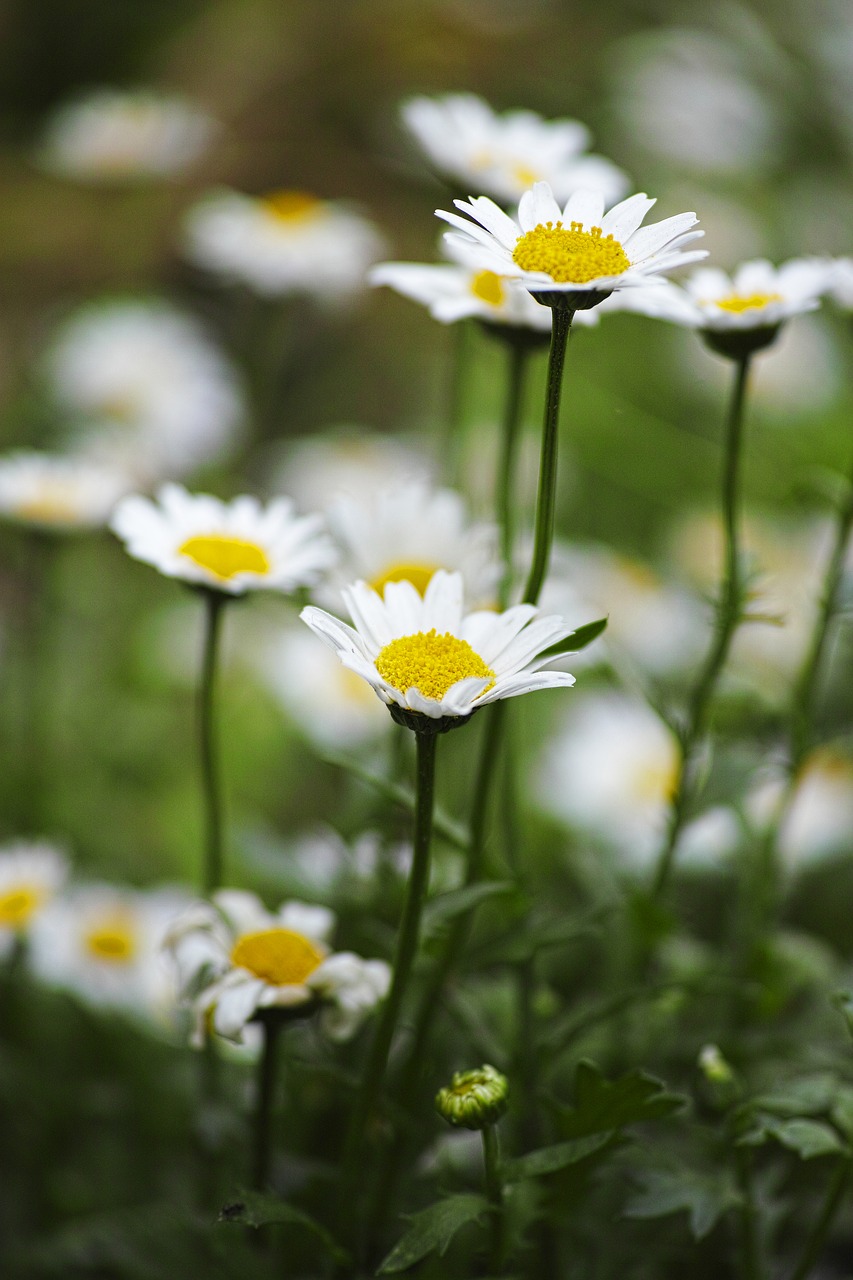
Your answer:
<point x="751" y="302"/>
<point x="279" y="956"/>
<point x="430" y="663"/>
<point x="572" y="256"/>
<point x="657" y="780"/>
<point x="524" y="177"/>
<point x="488" y="287"/>
<point x="225" y="557"/>
<point x="18" y="904"/>
<point x="53" y="505"/>
<point x="113" y="941"/>
<point x="291" y="206"/>
<point x="417" y="573"/>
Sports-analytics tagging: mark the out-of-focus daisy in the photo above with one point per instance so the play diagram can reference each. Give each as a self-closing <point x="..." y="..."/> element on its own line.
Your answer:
<point x="146" y="387"/>
<point x="284" y="243"/>
<point x="818" y="821"/>
<point x="231" y="547"/>
<point x="111" y="135"/>
<point x="424" y="656"/>
<point x="505" y="154"/>
<point x="839" y="279"/>
<point x="51" y="491"/>
<point x="579" y="249"/>
<point x="349" y="460"/>
<point x="104" y="943"/>
<point x="31" y="873"/>
<point x="234" y="958"/>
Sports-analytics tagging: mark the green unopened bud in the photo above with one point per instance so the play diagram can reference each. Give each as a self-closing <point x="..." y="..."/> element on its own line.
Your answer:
<point x="474" y="1099"/>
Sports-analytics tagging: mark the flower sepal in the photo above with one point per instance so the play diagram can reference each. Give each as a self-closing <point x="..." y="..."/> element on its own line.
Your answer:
<point x="578" y="300"/>
<point x="737" y="344"/>
<point x="274" y="1016"/>
<point x="420" y="723"/>
<point x="474" y="1099"/>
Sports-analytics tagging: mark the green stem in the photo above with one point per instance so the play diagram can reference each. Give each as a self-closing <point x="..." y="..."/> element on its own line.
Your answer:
<point x="495" y="1195"/>
<point x="212" y="877"/>
<point x="817" y="1236"/>
<point x="728" y="616"/>
<point x="262" y="1129"/>
<point x="518" y="362"/>
<point x="561" y="325"/>
<point x="750" y="1252"/>
<point x="456" y="388"/>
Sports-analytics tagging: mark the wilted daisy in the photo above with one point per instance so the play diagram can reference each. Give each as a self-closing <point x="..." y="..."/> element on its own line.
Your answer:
<point x="233" y="958"/>
<point x="31" y="873"/>
<point x="111" y="135"/>
<point x="505" y="154"/>
<point x="230" y="547"/>
<point x="145" y="387"/>
<point x="51" y="491"/>
<point x="579" y="249"/>
<point x="424" y="655"/>
<point x="283" y="243"/>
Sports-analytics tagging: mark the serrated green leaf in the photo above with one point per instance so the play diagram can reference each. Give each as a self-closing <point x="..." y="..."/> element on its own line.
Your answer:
<point x="603" y="1105"/>
<point x="261" y="1209"/>
<point x="577" y="640"/>
<point x="808" y="1138"/>
<point x="551" y="1159"/>
<point x="705" y="1197"/>
<point x="432" y="1229"/>
<point x="440" y="910"/>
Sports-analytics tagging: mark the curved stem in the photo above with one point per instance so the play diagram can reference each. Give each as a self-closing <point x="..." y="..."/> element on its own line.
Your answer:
<point x="728" y="617"/>
<point x="262" y="1135"/>
<point x="212" y="875"/>
<point x="518" y="362"/>
<point x="495" y="1195"/>
<point x="817" y="1236"/>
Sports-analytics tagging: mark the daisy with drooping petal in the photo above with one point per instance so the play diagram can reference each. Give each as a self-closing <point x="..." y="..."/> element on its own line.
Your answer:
<point x="505" y="154"/>
<point x="234" y="958"/>
<point x="31" y="873"/>
<point x="230" y="547"/>
<point x="56" y="492"/>
<point x="287" y="242"/>
<point x="424" y="655"/>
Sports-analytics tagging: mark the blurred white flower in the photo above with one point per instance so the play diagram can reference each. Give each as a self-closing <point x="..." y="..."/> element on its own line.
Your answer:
<point x="145" y="386"/>
<point x="840" y="281"/>
<point x="31" y="873"/>
<point x="284" y="243"/>
<point x="56" y="492"/>
<point x="503" y="155"/>
<point x="113" y="135"/>
<point x="349" y="460"/>
<point x="819" y="820"/>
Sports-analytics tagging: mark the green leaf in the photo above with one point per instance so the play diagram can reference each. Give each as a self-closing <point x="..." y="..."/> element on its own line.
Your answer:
<point x="603" y="1105"/>
<point x="705" y="1196"/>
<point x="577" y="640"/>
<point x="803" y="1096"/>
<point x="260" y="1209"/>
<point x="551" y="1159"/>
<point x="439" y="911"/>
<point x="808" y="1138"/>
<point x="525" y="943"/>
<point x="434" y="1228"/>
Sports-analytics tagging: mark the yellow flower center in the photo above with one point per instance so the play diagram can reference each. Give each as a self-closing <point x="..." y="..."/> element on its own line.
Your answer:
<point x="416" y="572"/>
<point x="488" y="287"/>
<point x="430" y="663"/>
<point x="279" y="956"/>
<point x="656" y="780"/>
<point x="113" y="941"/>
<point x="524" y="177"/>
<point x="570" y="257"/>
<point x="751" y="302"/>
<point x="224" y="556"/>
<point x="291" y="206"/>
<point x="54" y="505"/>
<point x="18" y="904"/>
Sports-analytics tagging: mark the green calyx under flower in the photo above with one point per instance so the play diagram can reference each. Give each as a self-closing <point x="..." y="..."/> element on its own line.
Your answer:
<point x="474" y="1099"/>
<point x="736" y="344"/>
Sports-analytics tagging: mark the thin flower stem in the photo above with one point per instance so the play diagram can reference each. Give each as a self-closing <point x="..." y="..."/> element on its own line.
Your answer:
<point x="817" y="1236"/>
<point x="456" y="389"/>
<point x="262" y="1129"/>
<point x="518" y="354"/>
<point x="212" y="875"/>
<point x="728" y="616"/>
<point x="495" y="1195"/>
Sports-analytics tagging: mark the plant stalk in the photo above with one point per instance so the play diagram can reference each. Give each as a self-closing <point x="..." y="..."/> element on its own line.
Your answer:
<point x="211" y="784"/>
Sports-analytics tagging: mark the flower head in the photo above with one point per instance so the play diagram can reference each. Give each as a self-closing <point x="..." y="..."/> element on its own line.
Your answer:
<point x="31" y="873"/>
<point x="505" y="154"/>
<point x="51" y="491"/>
<point x="474" y="1099"/>
<point x="579" y="250"/>
<point x="232" y="547"/>
<point x="431" y="663"/>
<point x="233" y="959"/>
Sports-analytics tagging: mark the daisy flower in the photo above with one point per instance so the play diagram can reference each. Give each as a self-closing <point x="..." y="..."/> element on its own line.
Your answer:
<point x="579" y="251"/>
<point x="505" y="154"/>
<point x="145" y="387"/>
<point x="284" y="243"/>
<point x="231" y="547"/>
<point x="839" y="278"/>
<point x="347" y="460"/>
<point x="818" y="822"/>
<point x="431" y="663"/>
<point x="233" y="958"/>
<point x="31" y="873"/>
<point x="110" y="135"/>
<point x="50" y="491"/>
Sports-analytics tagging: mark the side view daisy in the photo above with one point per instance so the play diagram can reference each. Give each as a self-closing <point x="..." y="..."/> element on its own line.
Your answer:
<point x="31" y="873"/>
<point x="57" y="492"/>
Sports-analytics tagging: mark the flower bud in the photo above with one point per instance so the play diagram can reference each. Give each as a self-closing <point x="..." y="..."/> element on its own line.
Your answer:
<point x="721" y="1082"/>
<point x="474" y="1099"/>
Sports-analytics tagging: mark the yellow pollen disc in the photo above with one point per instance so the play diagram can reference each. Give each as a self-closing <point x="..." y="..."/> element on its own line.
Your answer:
<point x="488" y="287"/>
<point x="18" y="904"/>
<point x="225" y="557"/>
<point x="571" y="256"/>
<point x="656" y="781"/>
<point x="119" y="408"/>
<point x="430" y="663"/>
<point x="416" y="572"/>
<point x="291" y="206"/>
<point x="524" y="177"/>
<point x="51" y="506"/>
<point x="279" y="956"/>
<point x="751" y="302"/>
<point x="113" y="941"/>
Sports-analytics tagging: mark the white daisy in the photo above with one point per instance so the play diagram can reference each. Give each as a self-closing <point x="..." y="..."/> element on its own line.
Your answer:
<point x="505" y="154"/>
<point x="234" y="958"/>
<point x="111" y="135"/>
<point x="104" y="943"/>
<point x="347" y="460"/>
<point x="145" y="387"/>
<point x="233" y="547"/>
<point x="424" y="655"/>
<point x="576" y="250"/>
<point x="31" y="873"/>
<point x="818" y="822"/>
<point x="59" y="493"/>
<point x="287" y="242"/>
<point x="839" y="273"/>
